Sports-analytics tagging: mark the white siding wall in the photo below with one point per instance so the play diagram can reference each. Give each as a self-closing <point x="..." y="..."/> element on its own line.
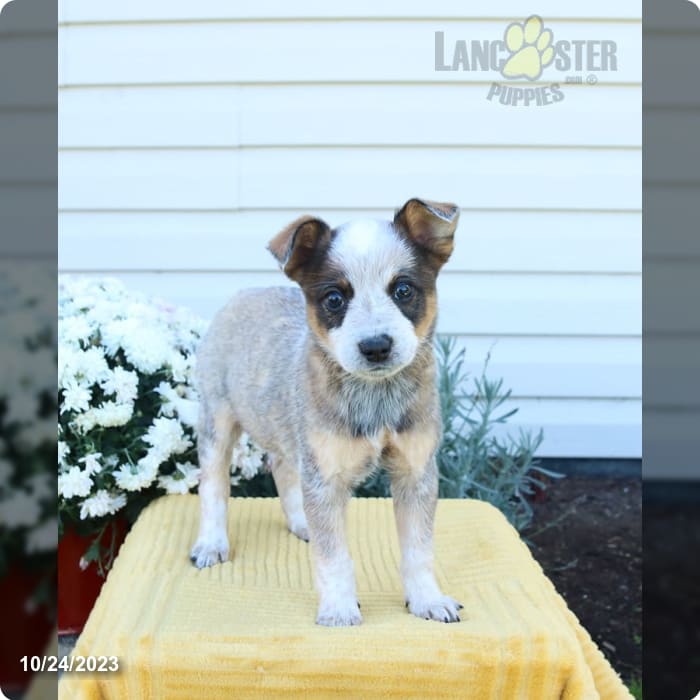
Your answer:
<point x="192" y="132"/>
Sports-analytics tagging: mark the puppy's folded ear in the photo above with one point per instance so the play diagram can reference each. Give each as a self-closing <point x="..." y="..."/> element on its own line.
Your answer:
<point x="430" y="225"/>
<point x="299" y="244"/>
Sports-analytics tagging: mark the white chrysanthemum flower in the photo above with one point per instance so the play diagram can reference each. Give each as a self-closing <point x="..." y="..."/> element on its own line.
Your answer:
<point x="133" y="478"/>
<point x="112" y="415"/>
<point x="123" y="384"/>
<point x="63" y="453"/>
<point x="84" y="422"/>
<point x="66" y="361"/>
<point x="91" y="462"/>
<point x="81" y="367"/>
<point x="247" y="457"/>
<point x="75" y="398"/>
<point x="185" y="478"/>
<point x="20" y="509"/>
<point x="149" y="465"/>
<point x="174" y="404"/>
<point x="146" y="347"/>
<point x="74" y="329"/>
<point x="188" y="412"/>
<point x="114" y="331"/>
<point x="102" y="503"/>
<point x="179" y="367"/>
<point x="74" y="482"/>
<point x="169" y="396"/>
<point x="167" y="437"/>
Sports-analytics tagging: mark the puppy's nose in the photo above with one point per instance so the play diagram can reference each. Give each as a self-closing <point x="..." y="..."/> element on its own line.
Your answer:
<point x="376" y="349"/>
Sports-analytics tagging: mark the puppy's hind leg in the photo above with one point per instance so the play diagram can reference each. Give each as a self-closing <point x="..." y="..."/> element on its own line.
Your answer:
<point x="218" y="431"/>
<point x="288" y="482"/>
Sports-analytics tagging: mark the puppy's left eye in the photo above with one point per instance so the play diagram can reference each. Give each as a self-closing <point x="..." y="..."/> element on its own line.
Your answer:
<point x="334" y="300"/>
<point x="403" y="291"/>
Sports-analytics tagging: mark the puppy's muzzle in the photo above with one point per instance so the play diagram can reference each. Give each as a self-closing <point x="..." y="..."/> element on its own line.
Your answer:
<point x="376" y="349"/>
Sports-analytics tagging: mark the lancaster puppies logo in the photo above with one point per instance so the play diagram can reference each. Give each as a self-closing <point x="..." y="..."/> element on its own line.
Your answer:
<point x="527" y="51"/>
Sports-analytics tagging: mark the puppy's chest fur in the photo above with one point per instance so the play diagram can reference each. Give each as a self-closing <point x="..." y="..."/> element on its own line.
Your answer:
<point x="354" y="425"/>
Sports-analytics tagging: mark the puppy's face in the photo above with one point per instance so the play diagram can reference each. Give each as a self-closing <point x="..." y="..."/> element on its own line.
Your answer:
<point x="370" y="285"/>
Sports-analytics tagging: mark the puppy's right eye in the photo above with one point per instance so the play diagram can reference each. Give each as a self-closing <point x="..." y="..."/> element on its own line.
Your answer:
<point x="334" y="301"/>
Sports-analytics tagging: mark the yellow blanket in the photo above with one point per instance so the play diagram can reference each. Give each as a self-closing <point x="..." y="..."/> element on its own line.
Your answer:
<point x="245" y="629"/>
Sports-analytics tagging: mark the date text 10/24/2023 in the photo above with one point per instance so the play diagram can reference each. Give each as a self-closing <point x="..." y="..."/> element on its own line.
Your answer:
<point x="70" y="664"/>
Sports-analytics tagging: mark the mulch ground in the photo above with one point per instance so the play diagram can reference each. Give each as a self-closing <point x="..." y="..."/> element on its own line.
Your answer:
<point x="587" y="536"/>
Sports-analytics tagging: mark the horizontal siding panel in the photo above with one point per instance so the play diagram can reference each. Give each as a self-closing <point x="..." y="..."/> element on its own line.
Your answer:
<point x="478" y="304"/>
<point x="149" y="180"/>
<point x="349" y="178"/>
<point x="178" y="10"/>
<point x="251" y="52"/>
<point x="210" y="116"/>
<point x="558" y="367"/>
<point x="580" y="428"/>
<point x="155" y="117"/>
<point x="486" y="241"/>
<point x="483" y="178"/>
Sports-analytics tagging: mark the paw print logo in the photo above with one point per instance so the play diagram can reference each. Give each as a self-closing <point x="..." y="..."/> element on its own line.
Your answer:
<point x="530" y="47"/>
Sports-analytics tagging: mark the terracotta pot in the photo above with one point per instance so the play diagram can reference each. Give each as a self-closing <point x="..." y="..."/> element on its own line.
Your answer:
<point x="26" y="629"/>
<point x="79" y="587"/>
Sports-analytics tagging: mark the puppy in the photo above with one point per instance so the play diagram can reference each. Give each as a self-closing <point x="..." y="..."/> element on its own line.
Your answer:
<point x="333" y="379"/>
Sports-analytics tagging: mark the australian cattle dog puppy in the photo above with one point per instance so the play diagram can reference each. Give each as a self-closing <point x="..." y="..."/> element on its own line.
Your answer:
<point x="333" y="378"/>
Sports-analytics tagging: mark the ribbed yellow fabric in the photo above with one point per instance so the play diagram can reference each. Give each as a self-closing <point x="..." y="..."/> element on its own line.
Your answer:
<point x="245" y="629"/>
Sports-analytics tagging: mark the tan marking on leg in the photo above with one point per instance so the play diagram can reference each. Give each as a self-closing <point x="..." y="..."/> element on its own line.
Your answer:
<point x="411" y="451"/>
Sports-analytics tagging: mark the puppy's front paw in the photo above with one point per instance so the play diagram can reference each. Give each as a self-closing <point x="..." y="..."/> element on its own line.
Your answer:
<point x="208" y="551"/>
<point x="339" y="614"/>
<point x="297" y="526"/>
<point x="441" y="608"/>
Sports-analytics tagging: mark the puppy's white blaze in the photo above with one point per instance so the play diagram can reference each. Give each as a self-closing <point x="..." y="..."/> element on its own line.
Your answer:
<point x="368" y="249"/>
<point x="359" y="237"/>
